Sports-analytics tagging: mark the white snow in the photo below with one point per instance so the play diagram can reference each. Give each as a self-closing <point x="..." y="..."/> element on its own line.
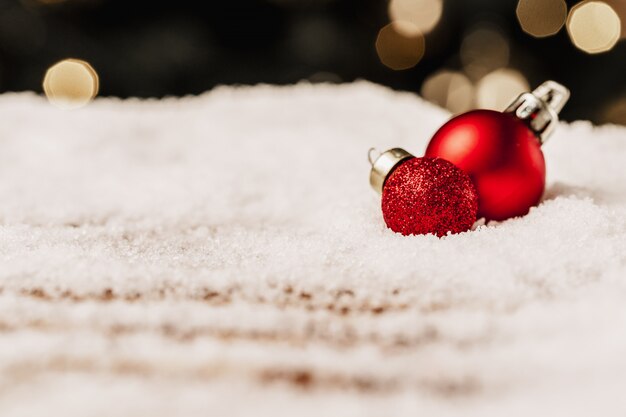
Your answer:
<point x="224" y="255"/>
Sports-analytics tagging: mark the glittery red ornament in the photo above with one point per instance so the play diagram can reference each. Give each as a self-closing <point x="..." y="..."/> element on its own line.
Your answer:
<point x="429" y="195"/>
<point x="424" y="195"/>
<point x="502" y="151"/>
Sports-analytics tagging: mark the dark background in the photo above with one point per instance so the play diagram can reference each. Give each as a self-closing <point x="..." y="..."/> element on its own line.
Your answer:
<point x="153" y="49"/>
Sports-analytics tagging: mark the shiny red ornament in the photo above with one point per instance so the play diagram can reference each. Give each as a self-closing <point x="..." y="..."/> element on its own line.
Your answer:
<point x="424" y="195"/>
<point x="502" y="151"/>
<point x="502" y="156"/>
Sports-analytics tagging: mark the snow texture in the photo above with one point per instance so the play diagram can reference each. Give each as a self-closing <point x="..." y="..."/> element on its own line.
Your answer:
<point x="224" y="255"/>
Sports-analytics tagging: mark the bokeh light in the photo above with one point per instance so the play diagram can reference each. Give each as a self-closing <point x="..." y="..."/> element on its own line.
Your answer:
<point x="71" y="84"/>
<point x="423" y="14"/>
<point x="400" y="45"/>
<point x="449" y="89"/>
<point x="498" y="89"/>
<point x="484" y="50"/>
<point x="615" y="112"/>
<point x="620" y="8"/>
<point x="594" y="26"/>
<point x="541" y="18"/>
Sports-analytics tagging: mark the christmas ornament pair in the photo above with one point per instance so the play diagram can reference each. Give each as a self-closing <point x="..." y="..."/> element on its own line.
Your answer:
<point x="479" y="164"/>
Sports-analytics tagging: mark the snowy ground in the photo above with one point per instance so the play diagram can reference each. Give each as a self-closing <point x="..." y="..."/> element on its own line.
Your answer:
<point x="224" y="255"/>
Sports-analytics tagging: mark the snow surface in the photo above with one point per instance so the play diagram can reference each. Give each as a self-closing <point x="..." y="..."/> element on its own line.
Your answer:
<point x="224" y="255"/>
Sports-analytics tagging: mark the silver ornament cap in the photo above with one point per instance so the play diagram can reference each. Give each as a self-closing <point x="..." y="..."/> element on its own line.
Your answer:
<point x="540" y="109"/>
<point x="383" y="164"/>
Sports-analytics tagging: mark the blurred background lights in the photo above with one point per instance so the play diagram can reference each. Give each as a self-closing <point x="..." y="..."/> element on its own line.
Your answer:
<point x="424" y="14"/>
<point x="620" y="8"/>
<point x="594" y="26"/>
<point x="400" y="45"/>
<point x="498" y="89"/>
<point x="483" y="50"/>
<point x="449" y="89"/>
<point x="431" y="46"/>
<point x="71" y="84"/>
<point x="541" y="18"/>
<point x="615" y="112"/>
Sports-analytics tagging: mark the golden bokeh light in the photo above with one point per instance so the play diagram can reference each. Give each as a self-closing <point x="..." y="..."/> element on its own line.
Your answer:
<point x="594" y="26"/>
<point x="71" y="84"/>
<point x="484" y="50"/>
<point x="620" y="8"/>
<point x="400" y="45"/>
<point x="615" y="112"/>
<point x="498" y="89"/>
<point x="449" y="89"/>
<point x="424" y="14"/>
<point x="541" y="18"/>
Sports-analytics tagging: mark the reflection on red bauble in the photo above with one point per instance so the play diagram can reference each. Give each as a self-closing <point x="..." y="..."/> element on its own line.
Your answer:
<point x="502" y="156"/>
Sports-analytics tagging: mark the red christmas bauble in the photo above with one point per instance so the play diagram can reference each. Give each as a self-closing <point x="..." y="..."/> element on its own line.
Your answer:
<point x="502" y="156"/>
<point x="428" y="195"/>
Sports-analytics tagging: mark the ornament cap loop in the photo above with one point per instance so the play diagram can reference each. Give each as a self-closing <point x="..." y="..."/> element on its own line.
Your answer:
<point x="553" y="94"/>
<point x="540" y="108"/>
<point x="383" y="164"/>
